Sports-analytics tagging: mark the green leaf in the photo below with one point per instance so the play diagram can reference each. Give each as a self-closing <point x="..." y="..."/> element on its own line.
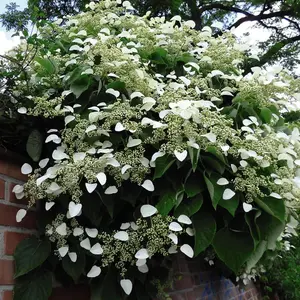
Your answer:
<point x="187" y="57"/>
<point x="272" y="206"/>
<point x="109" y="288"/>
<point x="167" y="201"/>
<point x="36" y="285"/>
<point x="215" y="190"/>
<point x="194" y="156"/>
<point x="256" y="255"/>
<point x="213" y="164"/>
<point x="34" y="145"/>
<point x="189" y="206"/>
<point x="270" y="229"/>
<point x="231" y="205"/>
<point x="233" y="248"/>
<point x="30" y="254"/>
<point x="117" y="85"/>
<point x="47" y="63"/>
<point x="162" y="164"/>
<point x="80" y="86"/>
<point x="216" y="152"/>
<point x="193" y="185"/>
<point x="74" y="269"/>
<point x="266" y="114"/>
<point x="205" y="230"/>
<point x="108" y="201"/>
<point x="251" y="218"/>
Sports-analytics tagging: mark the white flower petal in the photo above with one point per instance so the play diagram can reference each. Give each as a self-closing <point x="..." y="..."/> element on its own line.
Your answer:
<point x="184" y="220"/>
<point x="148" y="210"/>
<point x="79" y="156"/>
<point x="190" y="231"/>
<point x="94" y="272"/>
<point x="210" y="136"/>
<point x="26" y="169"/>
<point x="18" y="189"/>
<point x="111" y="190"/>
<point x="136" y="95"/>
<point x="148" y="185"/>
<point x="53" y="138"/>
<point x="74" y="209"/>
<point x="122" y="236"/>
<point x="172" y="249"/>
<point x="69" y="119"/>
<point x="181" y="156"/>
<point x="113" y="92"/>
<point x="125" y="226"/>
<point x="140" y="262"/>
<point x="119" y="127"/>
<point x="59" y="155"/>
<point x="275" y="195"/>
<point x="91" y="128"/>
<point x="126" y="284"/>
<point x="78" y="231"/>
<point x="22" y="110"/>
<point x="134" y="226"/>
<point x="48" y="205"/>
<point x="101" y="178"/>
<point x="91" y="232"/>
<point x="73" y="256"/>
<point x="228" y="194"/>
<point x="222" y="181"/>
<point x="187" y="250"/>
<point x="62" y="229"/>
<point x="20" y="215"/>
<point x="174" y="226"/>
<point x="90" y="187"/>
<point x="63" y="251"/>
<point x="174" y="238"/>
<point x="43" y="163"/>
<point x="86" y="244"/>
<point x="133" y="142"/>
<point x="142" y="254"/>
<point x="233" y="168"/>
<point x="143" y="269"/>
<point x="125" y="168"/>
<point x="96" y="249"/>
<point x="247" y="207"/>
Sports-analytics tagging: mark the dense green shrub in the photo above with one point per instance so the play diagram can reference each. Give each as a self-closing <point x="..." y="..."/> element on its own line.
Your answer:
<point x="151" y="141"/>
<point x="283" y="276"/>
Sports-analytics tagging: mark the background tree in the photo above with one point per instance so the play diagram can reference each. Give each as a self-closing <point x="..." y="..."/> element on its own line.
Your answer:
<point x="281" y="17"/>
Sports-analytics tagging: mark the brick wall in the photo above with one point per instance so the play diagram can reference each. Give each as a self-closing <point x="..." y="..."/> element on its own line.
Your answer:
<point x="11" y="232"/>
<point x="196" y="283"/>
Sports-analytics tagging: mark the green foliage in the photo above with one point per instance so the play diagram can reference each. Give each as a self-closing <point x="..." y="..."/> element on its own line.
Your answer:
<point x="155" y="143"/>
<point x="30" y="254"/>
<point x="284" y="274"/>
<point x="35" y="285"/>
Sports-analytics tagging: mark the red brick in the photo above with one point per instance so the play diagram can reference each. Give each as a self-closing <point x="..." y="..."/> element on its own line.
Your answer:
<point x="8" y="217"/>
<point x="7" y="295"/>
<point x="2" y="189"/>
<point x="12" y="170"/>
<point x="11" y="240"/>
<point x="6" y="272"/>
<point x="12" y="196"/>
<point x="79" y="292"/>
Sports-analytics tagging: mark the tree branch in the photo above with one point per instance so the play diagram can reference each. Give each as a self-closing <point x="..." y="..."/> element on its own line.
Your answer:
<point x="273" y="52"/>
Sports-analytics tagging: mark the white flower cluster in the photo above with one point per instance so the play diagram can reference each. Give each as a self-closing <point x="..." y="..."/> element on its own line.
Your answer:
<point x="183" y="112"/>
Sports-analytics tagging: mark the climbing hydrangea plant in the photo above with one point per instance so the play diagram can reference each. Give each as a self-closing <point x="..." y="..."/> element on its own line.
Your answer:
<point x="153" y="142"/>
